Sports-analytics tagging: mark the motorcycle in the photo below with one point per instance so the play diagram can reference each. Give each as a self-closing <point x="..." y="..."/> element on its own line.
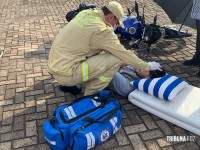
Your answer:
<point x="135" y="28"/>
<point x="138" y="31"/>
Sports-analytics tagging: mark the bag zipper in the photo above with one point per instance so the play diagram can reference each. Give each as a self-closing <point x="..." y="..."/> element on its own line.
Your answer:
<point x="77" y="100"/>
<point x="81" y="115"/>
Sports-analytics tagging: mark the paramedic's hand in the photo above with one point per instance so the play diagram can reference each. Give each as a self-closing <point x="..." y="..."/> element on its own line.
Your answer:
<point x="142" y="73"/>
<point x="155" y="66"/>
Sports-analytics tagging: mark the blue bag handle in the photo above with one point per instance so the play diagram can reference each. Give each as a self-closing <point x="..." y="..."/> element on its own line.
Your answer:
<point x="110" y="114"/>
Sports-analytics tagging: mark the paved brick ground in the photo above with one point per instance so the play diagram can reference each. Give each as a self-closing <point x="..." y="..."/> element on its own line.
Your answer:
<point x="28" y="94"/>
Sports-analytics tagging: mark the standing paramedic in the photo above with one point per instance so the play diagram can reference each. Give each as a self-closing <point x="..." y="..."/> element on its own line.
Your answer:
<point x="75" y="57"/>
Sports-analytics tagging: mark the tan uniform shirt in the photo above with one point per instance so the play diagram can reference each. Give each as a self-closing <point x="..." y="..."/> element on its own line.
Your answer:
<point x="86" y="35"/>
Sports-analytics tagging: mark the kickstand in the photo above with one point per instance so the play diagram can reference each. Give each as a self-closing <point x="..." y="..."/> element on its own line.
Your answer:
<point x="149" y="48"/>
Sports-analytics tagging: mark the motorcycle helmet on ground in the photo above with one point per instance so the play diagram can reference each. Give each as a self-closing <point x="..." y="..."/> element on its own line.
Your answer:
<point x="71" y="14"/>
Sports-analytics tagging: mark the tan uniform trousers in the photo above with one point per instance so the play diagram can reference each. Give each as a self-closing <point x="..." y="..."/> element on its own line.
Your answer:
<point x="96" y="72"/>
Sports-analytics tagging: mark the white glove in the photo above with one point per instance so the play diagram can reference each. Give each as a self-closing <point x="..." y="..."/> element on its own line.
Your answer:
<point x="155" y="66"/>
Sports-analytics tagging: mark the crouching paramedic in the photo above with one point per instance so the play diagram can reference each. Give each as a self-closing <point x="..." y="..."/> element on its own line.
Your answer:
<point x="75" y="56"/>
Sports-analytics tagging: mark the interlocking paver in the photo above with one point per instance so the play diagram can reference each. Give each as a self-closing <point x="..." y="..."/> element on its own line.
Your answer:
<point x="5" y="129"/>
<point x="13" y="107"/>
<point x="165" y="128"/>
<point x="31" y="128"/>
<point x="148" y="135"/>
<point x="149" y="122"/>
<point x="19" y="98"/>
<point x="36" y="116"/>
<point x="137" y="142"/>
<point x="6" y="102"/>
<point x="18" y="123"/>
<point x="28" y="94"/>
<point x="12" y="135"/>
<point x="14" y="86"/>
<point x="7" y="117"/>
<point x="34" y="92"/>
<point x="121" y="137"/>
<point x="135" y="128"/>
<point x="5" y="145"/>
<point x="24" y="142"/>
<point x="135" y="118"/>
<point x="41" y="105"/>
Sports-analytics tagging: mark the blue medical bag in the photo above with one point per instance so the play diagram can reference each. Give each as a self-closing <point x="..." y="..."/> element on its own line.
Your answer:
<point x="85" y="123"/>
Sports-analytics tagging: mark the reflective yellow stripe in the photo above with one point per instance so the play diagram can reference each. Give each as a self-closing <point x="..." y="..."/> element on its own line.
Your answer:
<point x="85" y="75"/>
<point x="105" y="79"/>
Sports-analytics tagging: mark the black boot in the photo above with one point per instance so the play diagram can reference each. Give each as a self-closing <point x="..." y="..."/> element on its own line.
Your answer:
<point x="75" y="90"/>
